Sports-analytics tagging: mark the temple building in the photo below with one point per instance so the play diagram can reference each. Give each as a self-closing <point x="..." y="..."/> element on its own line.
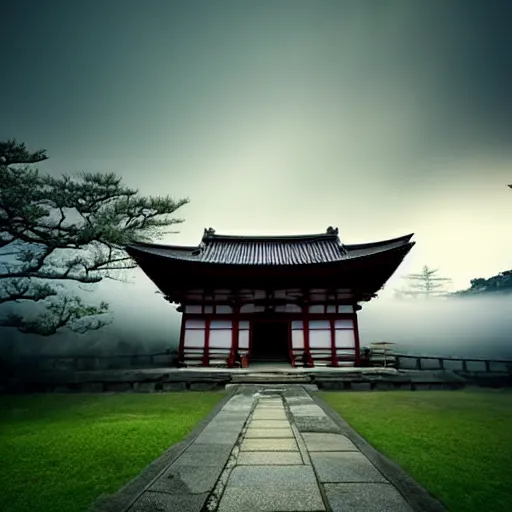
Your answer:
<point x="270" y="298"/>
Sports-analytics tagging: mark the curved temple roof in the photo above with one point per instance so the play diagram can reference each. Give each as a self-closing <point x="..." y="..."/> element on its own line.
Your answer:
<point x="268" y="250"/>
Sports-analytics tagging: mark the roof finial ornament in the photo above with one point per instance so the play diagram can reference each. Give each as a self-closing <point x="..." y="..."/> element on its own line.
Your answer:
<point x="332" y="231"/>
<point x="209" y="232"/>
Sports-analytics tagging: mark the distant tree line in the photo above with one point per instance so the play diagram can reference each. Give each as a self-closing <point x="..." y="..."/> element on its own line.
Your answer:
<point x="500" y="283"/>
<point x="428" y="284"/>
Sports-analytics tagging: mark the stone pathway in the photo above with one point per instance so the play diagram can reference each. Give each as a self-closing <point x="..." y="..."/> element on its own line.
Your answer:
<point x="271" y="449"/>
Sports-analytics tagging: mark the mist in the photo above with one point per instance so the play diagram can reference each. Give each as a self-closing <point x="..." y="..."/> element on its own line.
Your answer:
<point x="463" y="327"/>
<point x="144" y="322"/>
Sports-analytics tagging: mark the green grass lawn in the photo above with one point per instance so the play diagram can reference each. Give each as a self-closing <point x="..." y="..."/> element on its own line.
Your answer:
<point x="457" y="444"/>
<point x="60" y="452"/>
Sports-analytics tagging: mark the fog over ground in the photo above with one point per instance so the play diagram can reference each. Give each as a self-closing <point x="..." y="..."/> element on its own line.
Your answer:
<point x="144" y="322"/>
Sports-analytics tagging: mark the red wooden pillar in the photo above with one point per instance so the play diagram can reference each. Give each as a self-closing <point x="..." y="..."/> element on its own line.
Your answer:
<point x="356" y="336"/>
<point x="334" y="355"/>
<point x="290" y="342"/>
<point x="234" y="334"/>
<point x="305" y="327"/>
<point x="181" y="348"/>
<point x="206" y="353"/>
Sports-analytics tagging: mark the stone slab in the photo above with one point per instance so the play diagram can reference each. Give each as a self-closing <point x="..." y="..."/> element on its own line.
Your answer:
<point x="269" y="424"/>
<point x="259" y="411"/>
<point x="345" y="467"/>
<point x="307" y="410"/>
<point x="306" y="499"/>
<point x="230" y="416"/>
<point x="269" y="445"/>
<point x="268" y="433"/>
<point x="365" y="498"/>
<point x="316" y="424"/>
<point x="299" y="400"/>
<point x="274" y="477"/>
<point x="325" y="442"/>
<point x="162" y="502"/>
<point x="224" y="426"/>
<point x="218" y="436"/>
<point x="269" y="415"/>
<point x="310" y="387"/>
<point x="187" y="479"/>
<point x="272" y="488"/>
<point x="269" y="458"/>
<point x="204" y="454"/>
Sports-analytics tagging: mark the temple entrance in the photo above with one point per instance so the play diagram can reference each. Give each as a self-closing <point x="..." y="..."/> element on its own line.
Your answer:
<point x="270" y="342"/>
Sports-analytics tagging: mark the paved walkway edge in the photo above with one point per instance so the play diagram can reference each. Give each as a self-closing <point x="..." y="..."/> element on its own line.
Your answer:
<point x="415" y="494"/>
<point x="127" y="495"/>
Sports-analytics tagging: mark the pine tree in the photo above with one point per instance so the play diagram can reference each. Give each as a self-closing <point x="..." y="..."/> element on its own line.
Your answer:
<point x="71" y="229"/>
<point x="425" y="284"/>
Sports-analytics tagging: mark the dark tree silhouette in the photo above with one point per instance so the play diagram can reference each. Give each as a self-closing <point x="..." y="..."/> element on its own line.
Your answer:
<point x="71" y="229"/>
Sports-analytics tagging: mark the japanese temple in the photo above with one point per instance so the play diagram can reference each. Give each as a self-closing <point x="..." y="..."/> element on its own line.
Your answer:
<point x="270" y="298"/>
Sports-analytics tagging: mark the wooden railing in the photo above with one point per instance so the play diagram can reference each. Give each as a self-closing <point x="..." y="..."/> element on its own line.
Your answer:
<point x="464" y="360"/>
<point x="90" y="362"/>
<point x="169" y="359"/>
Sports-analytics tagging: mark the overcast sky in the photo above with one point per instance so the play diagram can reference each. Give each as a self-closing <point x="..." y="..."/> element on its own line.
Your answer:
<point x="280" y="117"/>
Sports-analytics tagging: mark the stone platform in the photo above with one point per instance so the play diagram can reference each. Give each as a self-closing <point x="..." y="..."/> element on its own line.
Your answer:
<point x="205" y="379"/>
<point x="273" y="448"/>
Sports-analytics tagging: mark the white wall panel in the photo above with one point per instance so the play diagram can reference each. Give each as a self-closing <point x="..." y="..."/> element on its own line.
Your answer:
<point x="345" y="309"/>
<point x="297" y="339"/>
<point x="221" y="324"/>
<point x="317" y="308"/>
<point x="344" y="324"/>
<point x="243" y="340"/>
<point x="319" y="339"/>
<point x="198" y="324"/>
<point x="194" y="338"/>
<point x="297" y="324"/>
<point x="193" y="309"/>
<point x="220" y="338"/>
<point x="345" y="338"/>
<point x="319" y="324"/>
<point x="243" y="324"/>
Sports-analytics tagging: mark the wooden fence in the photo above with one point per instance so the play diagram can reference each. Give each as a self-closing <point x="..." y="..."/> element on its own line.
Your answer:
<point x="484" y="365"/>
<point x="91" y="363"/>
<point x="169" y="359"/>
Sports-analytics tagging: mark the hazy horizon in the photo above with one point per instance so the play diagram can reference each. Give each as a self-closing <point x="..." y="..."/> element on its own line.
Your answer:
<point x="281" y="117"/>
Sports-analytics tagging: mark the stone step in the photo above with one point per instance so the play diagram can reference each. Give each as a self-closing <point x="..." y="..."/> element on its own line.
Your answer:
<point x="270" y="378"/>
